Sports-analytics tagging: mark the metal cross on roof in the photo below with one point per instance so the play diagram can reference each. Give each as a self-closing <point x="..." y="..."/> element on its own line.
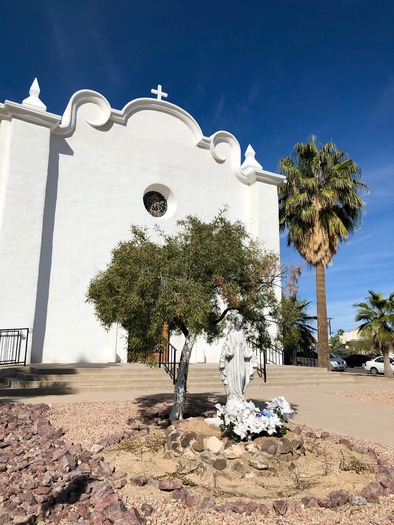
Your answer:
<point x="159" y="92"/>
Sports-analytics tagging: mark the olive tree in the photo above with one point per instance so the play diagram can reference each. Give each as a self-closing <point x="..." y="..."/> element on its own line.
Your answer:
<point x="190" y="281"/>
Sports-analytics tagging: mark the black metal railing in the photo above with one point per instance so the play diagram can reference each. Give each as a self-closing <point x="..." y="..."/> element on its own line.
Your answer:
<point x="13" y="346"/>
<point x="270" y="355"/>
<point x="168" y="361"/>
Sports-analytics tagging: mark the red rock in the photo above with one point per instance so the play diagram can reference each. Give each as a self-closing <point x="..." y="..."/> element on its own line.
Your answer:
<point x="339" y="497"/>
<point x="207" y="503"/>
<point x="263" y="509"/>
<point x="169" y="484"/>
<point x="310" y="502"/>
<point x="372" y="492"/>
<point x="146" y="509"/>
<point x="280" y="506"/>
<point x="192" y="500"/>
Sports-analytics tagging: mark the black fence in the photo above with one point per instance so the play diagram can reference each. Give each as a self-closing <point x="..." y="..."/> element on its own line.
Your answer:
<point x="13" y="346"/>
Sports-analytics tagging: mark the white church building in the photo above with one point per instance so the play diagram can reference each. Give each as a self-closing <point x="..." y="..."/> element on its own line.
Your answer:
<point x="72" y="185"/>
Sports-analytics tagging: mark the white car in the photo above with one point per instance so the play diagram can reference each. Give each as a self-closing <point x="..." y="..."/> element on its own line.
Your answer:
<point x="376" y="366"/>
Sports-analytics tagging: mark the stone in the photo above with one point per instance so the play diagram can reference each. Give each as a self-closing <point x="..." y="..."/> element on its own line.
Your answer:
<point x="169" y="484"/>
<point x="385" y="477"/>
<point x="297" y="442"/>
<point x="293" y="506"/>
<point x="234" y="451"/>
<point x="371" y="492"/>
<point x="213" y="444"/>
<point x="251" y="448"/>
<point x="198" y="444"/>
<point x="115" y="510"/>
<point x="310" y="502"/>
<point x="284" y="447"/>
<point x="130" y="517"/>
<point x="139" y="480"/>
<point x="357" y="500"/>
<point x="192" y="500"/>
<point x="187" y="438"/>
<point x="119" y="479"/>
<point x="207" y="503"/>
<point x="179" y="494"/>
<point x="259" y="463"/>
<point x="146" y="509"/>
<point x="96" y="448"/>
<point x="280" y="507"/>
<point x="339" y="497"/>
<point x="219" y="464"/>
<point x="240" y="507"/>
<point x="270" y="447"/>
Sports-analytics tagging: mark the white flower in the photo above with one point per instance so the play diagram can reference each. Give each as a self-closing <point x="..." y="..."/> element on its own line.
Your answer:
<point x="280" y="405"/>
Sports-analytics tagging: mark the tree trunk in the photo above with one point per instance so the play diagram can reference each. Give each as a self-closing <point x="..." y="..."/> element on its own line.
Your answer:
<point x="181" y="382"/>
<point x="322" y="321"/>
<point x="387" y="367"/>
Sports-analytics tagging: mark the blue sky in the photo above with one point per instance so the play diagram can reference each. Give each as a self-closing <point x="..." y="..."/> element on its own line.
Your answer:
<point x="272" y="72"/>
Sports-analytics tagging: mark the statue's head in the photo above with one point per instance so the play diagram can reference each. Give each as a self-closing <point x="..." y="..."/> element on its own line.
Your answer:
<point x="238" y="321"/>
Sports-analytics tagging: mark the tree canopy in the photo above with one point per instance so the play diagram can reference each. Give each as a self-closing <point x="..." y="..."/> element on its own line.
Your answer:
<point x="295" y="331"/>
<point x="320" y="205"/>
<point x="189" y="281"/>
<point x="376" y="314"/>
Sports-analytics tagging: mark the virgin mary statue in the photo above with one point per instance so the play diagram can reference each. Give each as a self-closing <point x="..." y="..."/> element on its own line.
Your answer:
<point x="237" y="362"/>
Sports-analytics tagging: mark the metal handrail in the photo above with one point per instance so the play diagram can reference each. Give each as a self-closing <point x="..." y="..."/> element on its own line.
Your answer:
<point x="274" y="356"/>
<point x="167" y="359"/>
<point x="13" y="345"/>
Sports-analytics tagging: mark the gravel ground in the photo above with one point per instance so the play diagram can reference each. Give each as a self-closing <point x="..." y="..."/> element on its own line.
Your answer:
<point x="381" y="397"/>
<point x="87" y="423"/>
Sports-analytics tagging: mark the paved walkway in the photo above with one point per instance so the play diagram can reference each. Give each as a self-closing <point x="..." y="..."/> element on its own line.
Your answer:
<point x="321" y="406"/>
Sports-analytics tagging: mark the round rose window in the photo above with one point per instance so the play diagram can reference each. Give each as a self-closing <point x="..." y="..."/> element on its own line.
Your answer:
<point x="155" y="203"/>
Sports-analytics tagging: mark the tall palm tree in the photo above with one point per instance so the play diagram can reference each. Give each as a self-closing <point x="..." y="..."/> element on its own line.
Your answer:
<point x="320" y="205"/>
<point x="295" y="331"/>
<point x="377" y="316"/>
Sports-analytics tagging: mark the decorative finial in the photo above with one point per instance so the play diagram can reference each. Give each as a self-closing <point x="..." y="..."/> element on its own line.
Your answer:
<point x="33" y="100"/>
<point x="159" y="92"/>
<point x="250" y="163"/>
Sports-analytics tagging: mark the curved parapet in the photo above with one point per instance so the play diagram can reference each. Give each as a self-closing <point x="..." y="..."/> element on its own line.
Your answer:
<point x="222" y="145"/>
<point x="99" y="114"/>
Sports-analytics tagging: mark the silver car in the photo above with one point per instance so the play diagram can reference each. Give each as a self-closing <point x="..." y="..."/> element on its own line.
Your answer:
<point x="309" y="358"/>
<point x="337" y="363"/>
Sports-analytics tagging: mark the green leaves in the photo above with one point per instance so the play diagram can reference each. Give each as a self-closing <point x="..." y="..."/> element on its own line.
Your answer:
<point x="377" y="320"/>
<point x="320" y="204"/>
<point x="190" y="281"/>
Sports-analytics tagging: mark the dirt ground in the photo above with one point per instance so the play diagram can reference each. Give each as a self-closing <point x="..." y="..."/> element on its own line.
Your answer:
<point x="325" y="467"/>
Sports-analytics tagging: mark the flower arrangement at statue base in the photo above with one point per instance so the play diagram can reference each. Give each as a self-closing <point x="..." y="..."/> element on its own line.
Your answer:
<point x="243" y="421"/>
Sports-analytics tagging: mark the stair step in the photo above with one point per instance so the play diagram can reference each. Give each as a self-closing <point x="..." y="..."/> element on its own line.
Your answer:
<point x="44" y="379"/>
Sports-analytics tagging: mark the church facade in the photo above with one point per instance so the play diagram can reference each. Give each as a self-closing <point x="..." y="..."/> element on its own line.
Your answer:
<point x="71" y="186"/>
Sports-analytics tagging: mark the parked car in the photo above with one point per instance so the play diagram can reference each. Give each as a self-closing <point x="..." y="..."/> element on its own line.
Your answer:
<point x="376" y="366"/>
<point x="309" y="358"/>
<point x="357" y="359"/>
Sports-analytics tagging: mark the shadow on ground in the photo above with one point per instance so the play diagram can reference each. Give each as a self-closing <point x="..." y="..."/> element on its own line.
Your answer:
<point x="156" y="406"/>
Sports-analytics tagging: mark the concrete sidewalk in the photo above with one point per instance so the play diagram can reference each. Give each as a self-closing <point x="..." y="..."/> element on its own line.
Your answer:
<point x="322" y="406"/>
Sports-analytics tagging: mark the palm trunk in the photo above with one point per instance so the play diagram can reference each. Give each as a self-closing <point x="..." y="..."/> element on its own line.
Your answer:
<point x="181" y="381"/>
<point x="386" y="360"/>
<point x="322" y="321"/>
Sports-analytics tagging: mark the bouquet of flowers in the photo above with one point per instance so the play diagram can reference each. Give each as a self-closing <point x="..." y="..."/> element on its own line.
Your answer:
<point x="242" y="420"/>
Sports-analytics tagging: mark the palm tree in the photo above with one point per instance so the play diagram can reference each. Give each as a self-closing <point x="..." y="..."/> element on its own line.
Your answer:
<point x="377" y="316"/>
<point x="295" y="332"/>
<point x="320" y="205"/>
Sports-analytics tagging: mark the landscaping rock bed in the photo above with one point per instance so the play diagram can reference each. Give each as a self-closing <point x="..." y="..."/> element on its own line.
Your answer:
<point x="148" y="474"/>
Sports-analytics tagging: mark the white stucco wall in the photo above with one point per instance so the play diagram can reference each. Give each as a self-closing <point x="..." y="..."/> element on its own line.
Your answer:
<point x="69" y="193"/>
